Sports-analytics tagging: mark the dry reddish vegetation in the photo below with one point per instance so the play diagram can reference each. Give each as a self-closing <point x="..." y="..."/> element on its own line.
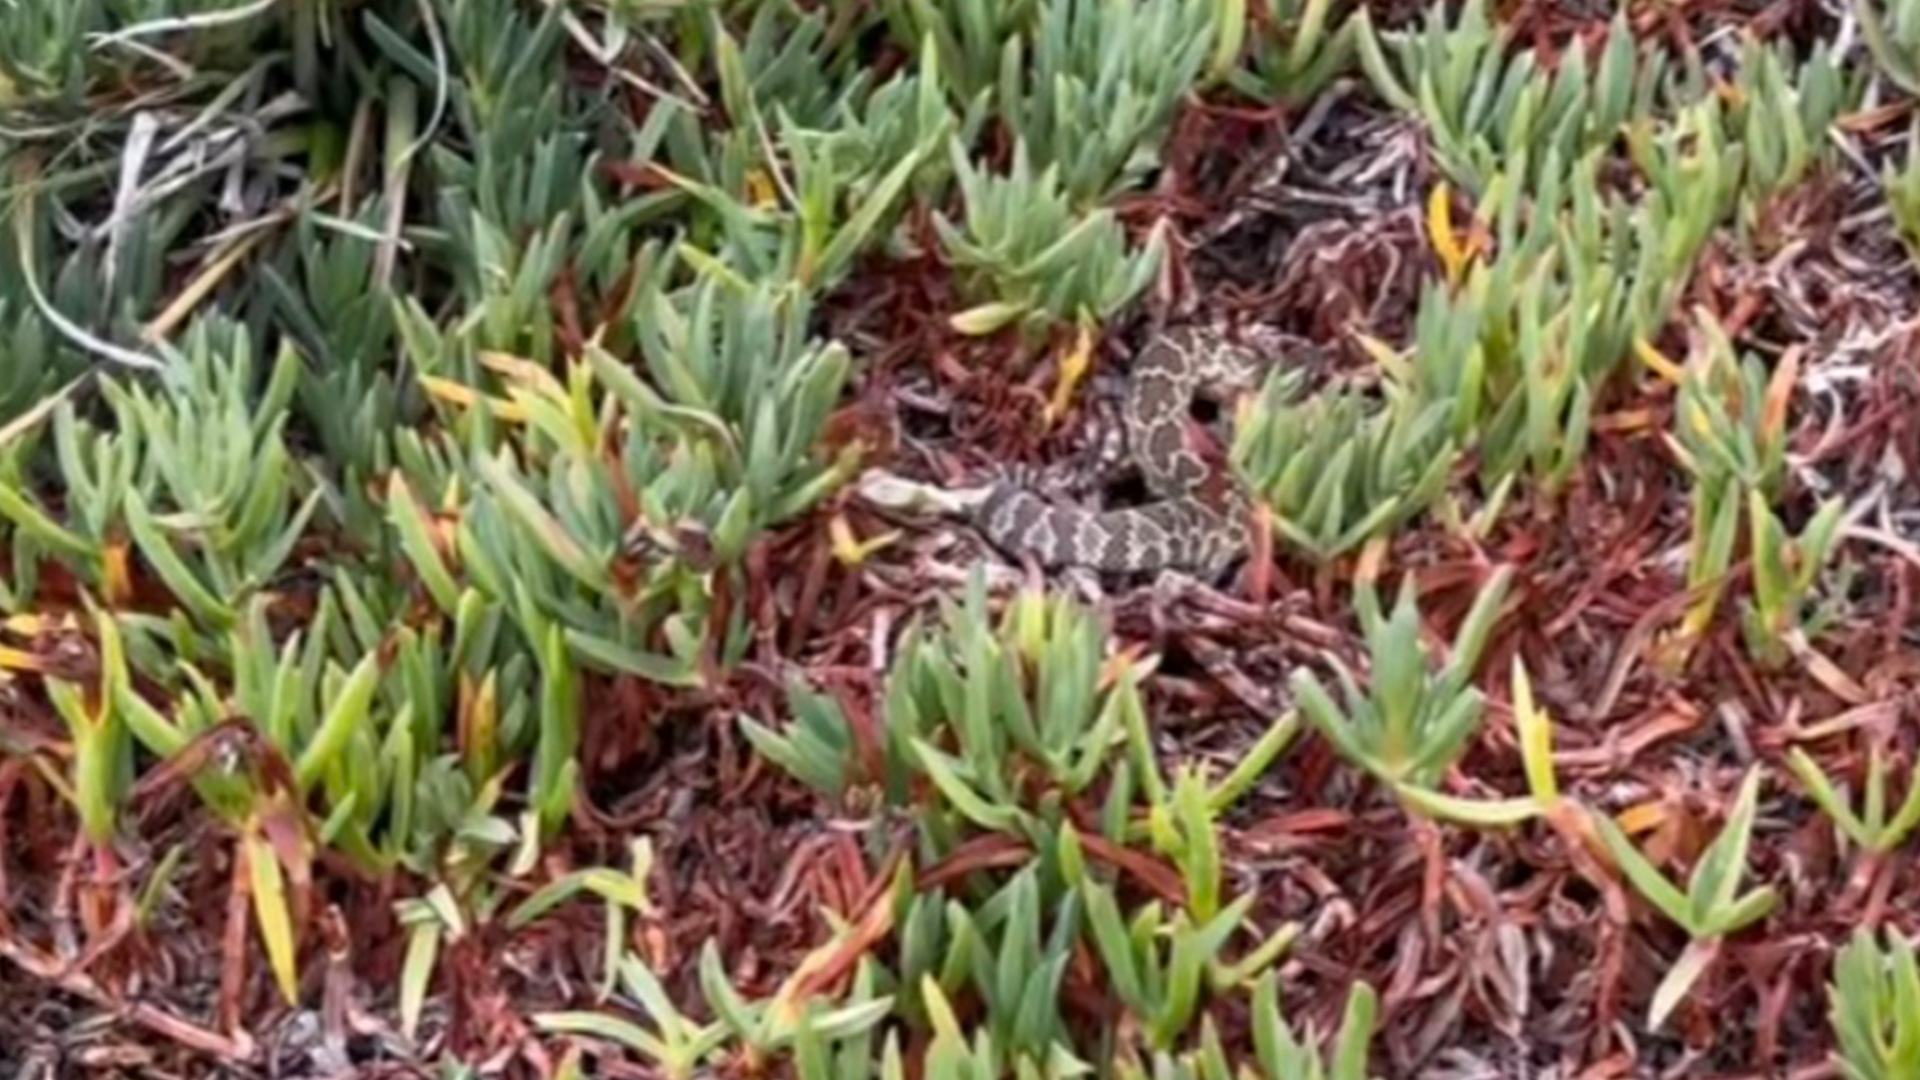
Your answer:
<point x="1496" y="952"/>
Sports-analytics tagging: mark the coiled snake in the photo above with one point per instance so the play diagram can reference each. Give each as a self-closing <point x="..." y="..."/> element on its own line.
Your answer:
<point x="1187" y="526"/>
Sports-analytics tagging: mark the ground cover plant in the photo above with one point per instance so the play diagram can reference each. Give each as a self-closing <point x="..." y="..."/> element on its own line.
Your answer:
<point x="444" y="630"/>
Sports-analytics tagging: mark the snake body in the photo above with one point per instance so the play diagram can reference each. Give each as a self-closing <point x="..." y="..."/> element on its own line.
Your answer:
<point x="1183" y="528"/>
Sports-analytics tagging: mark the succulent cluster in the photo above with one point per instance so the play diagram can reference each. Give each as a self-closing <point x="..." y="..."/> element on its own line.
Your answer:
<point x="386" y="384"/>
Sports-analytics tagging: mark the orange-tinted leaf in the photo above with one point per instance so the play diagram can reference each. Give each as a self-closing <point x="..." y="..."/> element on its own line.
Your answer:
<point x="271" y="914"/>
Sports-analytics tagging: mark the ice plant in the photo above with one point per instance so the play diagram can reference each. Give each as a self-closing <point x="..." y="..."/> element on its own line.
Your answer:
<point x="1534" y="729"/>
<point x="677" y="1045"/>
<point x="1892" y="33"/>
<point x="1297" y="49"/>
<point x="1026" y="256"/>
<point x="1412" y="721"/>
<point x="1783" y="115"/>
<point x="1871" y="827"/>
<point x="1285" y="1056"/>
<point x="979" y="711"/>
<point x="1161" y="964"/>
<point x="1487" y="106"/>
<point x="1338" y="469"/>
<point x="1730" y="434"/>
<point x="1010" y="953"/>
<point x="1901" y="185"/>
<point x="1874" y="1002"/>
<point x="1712" y="906"/>
<point x="416" y="416"/>
<point x="1785" y="571"/>
<point x="1092" y="90"/>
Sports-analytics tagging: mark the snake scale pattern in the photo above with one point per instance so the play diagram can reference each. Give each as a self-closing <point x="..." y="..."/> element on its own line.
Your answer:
<point x="1183" y="528"/>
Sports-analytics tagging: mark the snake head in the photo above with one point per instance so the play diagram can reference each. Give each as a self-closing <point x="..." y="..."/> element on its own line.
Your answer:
<point x="890" y="491"/>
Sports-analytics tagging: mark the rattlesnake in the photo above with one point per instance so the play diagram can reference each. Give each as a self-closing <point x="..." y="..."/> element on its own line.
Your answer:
<point x="1188" y="527"/>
